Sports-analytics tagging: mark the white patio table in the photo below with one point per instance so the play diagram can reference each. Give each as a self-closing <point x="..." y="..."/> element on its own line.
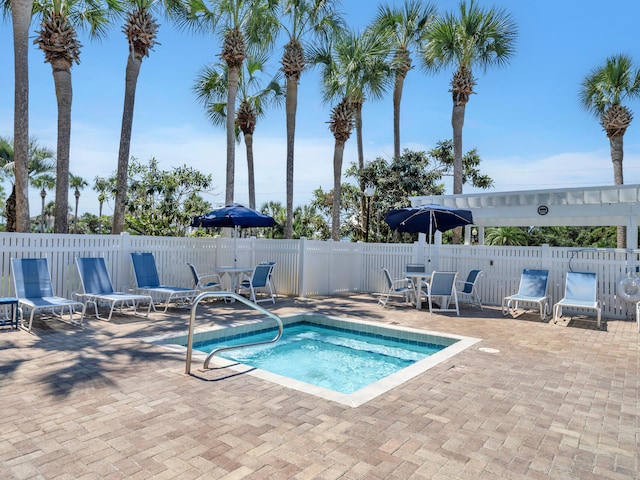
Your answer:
<point x="232" y="273"/>
<point x="416" y="279"/>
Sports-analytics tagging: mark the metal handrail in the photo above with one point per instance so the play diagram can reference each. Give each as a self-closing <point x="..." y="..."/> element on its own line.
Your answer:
<point x="235" y="296"/>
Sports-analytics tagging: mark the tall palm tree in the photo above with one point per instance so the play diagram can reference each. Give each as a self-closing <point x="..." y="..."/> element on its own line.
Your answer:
<point x="21" y="19"/>
<point x="301" y="20"/>
<point x="476" y="37"/>
<point x="57" y="39"/>
<point x="77" y="183"/>
<point x="44" y="182"/>
<point x="141" y="30"/>
<point x="407" y="25"/>
<point x="602" y="93"/>
<point x="242" y="24"/>
<point x="353" y="67"/>
<point x="211" y="89"/>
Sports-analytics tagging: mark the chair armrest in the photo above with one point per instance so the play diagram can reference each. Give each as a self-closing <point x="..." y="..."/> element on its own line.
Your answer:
<point x="210" y="277"/>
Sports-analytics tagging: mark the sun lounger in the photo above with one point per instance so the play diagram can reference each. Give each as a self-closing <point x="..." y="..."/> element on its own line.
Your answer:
<point x="148" y="283"/>
<point x="97" y="288"/>
<point x="532" y="289"/>
<point x="32" y="283"/>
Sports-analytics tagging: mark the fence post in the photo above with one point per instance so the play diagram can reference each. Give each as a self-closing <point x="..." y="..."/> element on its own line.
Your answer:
<point x="302" y="281"/>
<point x="122" y="274"/>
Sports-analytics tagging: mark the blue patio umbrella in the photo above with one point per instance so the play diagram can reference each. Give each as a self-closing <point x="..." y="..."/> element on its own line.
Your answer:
<point x="427" y="219"/>
<point x="234" y="216"/>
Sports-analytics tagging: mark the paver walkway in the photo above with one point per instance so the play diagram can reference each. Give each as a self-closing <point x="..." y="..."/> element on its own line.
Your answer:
<point x="557" y="401"/>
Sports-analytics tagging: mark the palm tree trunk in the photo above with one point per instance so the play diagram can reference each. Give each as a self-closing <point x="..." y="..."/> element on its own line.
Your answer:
<point x="248" y="141"/>
<point x="232" y="93"/>
<point x="338" y="153"/>
<point x="62" y="80"/>
<point x="291" y="108"/>
<point x="617" y="154"/>
<point x="21" y="18"/>
<point x="397" y="98"/>
<point x="130" y="84"/>
<point x="457" y="121"/>
<point x="363" y="205"/>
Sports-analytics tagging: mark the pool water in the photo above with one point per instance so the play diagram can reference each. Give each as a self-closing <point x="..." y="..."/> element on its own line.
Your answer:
<point x="322" y="355"/>
<point x="341" y="360"/>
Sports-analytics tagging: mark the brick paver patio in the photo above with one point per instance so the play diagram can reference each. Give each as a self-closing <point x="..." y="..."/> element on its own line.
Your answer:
<point x="557" y="401"/>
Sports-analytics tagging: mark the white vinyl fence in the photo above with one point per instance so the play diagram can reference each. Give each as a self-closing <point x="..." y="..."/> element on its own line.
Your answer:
<point x="310" y="268"/>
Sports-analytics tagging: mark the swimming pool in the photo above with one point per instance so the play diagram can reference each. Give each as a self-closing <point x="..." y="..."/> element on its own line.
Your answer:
<point x="342" y="360"/>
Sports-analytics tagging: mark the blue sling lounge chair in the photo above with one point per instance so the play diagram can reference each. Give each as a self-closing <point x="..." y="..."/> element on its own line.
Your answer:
<point x="32" y="283"/>
<point x="97" y="287"/>
<point x="532" y="289"/>
<point x="148" y="283"/>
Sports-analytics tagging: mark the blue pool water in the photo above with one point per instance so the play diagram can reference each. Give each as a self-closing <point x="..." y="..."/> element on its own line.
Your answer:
<point x="334" y="358"/>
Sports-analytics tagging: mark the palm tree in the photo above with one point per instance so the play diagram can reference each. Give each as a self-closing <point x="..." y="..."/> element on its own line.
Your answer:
<point x="103" y="186"/>
<point x="57" y="39"/>
<point x="243" y="24"/>
<point x="477" y="37"/>
<point x="141" y="30"/>
<point x="78" y="183"/>
<point x="21" y="19"/>
<point x="301" y="19"/>
<point x="353" y="67"/>
<point x="602" y="93"/>
<point x="45" y="182"/>
<point x="41" y="160"/>
<point x="211" y="90"/>
<point x="515" y="236"/>
<point x="407" y="25"/>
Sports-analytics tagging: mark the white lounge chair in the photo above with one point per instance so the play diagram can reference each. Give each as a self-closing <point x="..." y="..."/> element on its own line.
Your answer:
<point x="532" y="289"/>
<point x="580" y="292"/>
<point x="32" y="283"/>
<point x="97" y="288"/>
<point x="442" y="285"/>
<point x="148" y="283"/>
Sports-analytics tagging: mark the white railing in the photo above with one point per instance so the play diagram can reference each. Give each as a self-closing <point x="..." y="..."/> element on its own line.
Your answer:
<point x="309" y="268"/>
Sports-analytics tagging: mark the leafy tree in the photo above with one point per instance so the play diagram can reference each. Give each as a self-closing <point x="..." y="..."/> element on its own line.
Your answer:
<point x="301" y="20"/>
<point x="161" y="202"/>
<point x="324" y="203"/>
<point x="57" y="39"/>
<point x="406" y="25"/>
<point x="309" y="223"/>
<point x="475" y="37"/>
<point x="602" y="93"/>
<point x="411" y="174"/>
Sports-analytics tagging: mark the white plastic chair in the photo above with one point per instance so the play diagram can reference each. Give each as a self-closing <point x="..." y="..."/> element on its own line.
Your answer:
<point x="580" y="291"/>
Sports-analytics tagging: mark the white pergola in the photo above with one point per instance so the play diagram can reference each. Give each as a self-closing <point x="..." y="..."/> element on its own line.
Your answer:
<point x="617" y="205"/>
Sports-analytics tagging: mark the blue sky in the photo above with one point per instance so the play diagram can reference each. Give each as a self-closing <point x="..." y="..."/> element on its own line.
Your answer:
<point x="525" y="119"/>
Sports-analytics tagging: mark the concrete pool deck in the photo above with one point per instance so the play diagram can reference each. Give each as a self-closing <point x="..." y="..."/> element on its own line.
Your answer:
<point x="530" y="400"/>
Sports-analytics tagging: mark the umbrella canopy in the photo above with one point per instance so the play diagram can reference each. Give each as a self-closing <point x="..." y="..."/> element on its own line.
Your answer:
<point x="233" y="215"/>
<point x="427" y="219"/>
